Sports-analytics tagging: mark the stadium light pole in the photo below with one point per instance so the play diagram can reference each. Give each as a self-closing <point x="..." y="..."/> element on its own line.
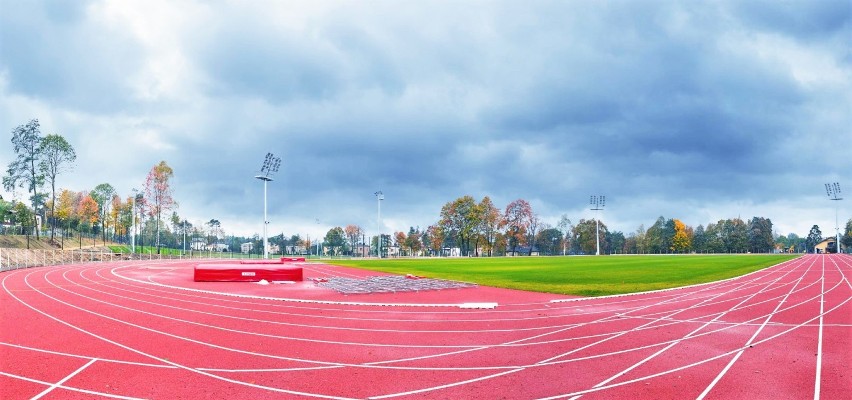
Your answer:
<point x="379" y="197"/>
<point x="270" y="166"/>
<point x="833" y="192"/>
<point x="318" y="240"/>
<point x="597" y="203"/>
<point x="133" y="222"/>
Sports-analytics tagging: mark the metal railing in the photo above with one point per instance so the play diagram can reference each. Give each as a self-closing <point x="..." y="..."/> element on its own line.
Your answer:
<point x="11" y="259"/>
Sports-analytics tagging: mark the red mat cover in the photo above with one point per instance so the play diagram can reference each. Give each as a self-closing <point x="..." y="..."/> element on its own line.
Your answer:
<point x="282" y="260"/>
<point x="247" y="272"/>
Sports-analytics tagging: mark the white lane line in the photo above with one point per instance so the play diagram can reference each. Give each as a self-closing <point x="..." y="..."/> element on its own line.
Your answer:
<point x="748" y="343"/>
<point x="745" y="300"/>
<point x="690" y="334"/>
<point x="672" y="300"/>
<point x="57" y="384"/>
<point x="73" y="389"/>
<point x="685" y="367"/>
<point x="429" y="389"/>
<point x="649" y="323"/>
<point x="819" y="339"/>
<point x="137" y="351"/>
<point x="58" y="353"/>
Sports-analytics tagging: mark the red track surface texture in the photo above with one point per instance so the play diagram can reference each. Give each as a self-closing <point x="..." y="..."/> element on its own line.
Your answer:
<point x="148" y="331"/>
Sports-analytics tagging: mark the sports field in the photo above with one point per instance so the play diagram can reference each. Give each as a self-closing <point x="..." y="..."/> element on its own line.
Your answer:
<point x="581" y="276"/>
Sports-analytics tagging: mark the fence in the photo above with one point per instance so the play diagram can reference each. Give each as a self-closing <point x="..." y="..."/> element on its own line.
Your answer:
<point x="22" y="258"/>
<point x="11" y="258"/>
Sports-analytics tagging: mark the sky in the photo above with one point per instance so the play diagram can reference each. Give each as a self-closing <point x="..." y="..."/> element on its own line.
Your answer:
<point x="698" y="111"/>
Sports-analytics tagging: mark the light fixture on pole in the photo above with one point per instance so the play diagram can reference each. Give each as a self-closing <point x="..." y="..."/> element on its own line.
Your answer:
<point x="833" y="192"/>
<point x="379" y="197"/>
<point x="270" y="166"/>
<point x="597" y="203"/>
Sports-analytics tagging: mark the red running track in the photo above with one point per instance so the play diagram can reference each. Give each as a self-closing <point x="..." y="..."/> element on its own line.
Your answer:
<point x="146" y="330"/>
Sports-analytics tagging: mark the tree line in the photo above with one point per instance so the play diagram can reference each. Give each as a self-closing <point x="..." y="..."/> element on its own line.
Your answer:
<point x="465" y="226"/>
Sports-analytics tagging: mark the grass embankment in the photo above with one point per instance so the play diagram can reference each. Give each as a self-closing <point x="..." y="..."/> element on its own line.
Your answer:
<point x="581" y="276"/>
<point x="44" y="242"/>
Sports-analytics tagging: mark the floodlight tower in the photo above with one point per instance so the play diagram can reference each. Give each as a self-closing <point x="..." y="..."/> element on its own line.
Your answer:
<point x="270" y="166"/>
<point x="833" y="192"/>
<point x="379" y="197"/>
<point x="597" y="203"/>
<point x="133" y="222"/>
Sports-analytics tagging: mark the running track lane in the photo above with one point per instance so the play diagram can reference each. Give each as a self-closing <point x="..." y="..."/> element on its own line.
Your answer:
<point x="147" y="331"/>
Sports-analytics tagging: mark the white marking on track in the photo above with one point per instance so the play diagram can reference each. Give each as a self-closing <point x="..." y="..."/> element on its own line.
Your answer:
<point x="63" y="380"/>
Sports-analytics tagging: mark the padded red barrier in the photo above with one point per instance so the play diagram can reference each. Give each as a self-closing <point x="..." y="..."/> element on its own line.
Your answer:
<point x="247" y="272"/>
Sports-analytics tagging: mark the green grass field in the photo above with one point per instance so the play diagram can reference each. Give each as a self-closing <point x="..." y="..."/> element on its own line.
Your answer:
<point x="581" y="276"/>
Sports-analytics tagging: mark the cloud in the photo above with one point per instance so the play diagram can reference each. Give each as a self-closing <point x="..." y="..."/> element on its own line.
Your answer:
<point x="694" y="111"/>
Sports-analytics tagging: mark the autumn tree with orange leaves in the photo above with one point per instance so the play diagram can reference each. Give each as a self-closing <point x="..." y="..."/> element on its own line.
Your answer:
<point x="87" y="213"/>
<point x="682" y="239"/>
<point x="517" y="219"/>
<point x="353" y="235"/>
<point x="158" y="194"/>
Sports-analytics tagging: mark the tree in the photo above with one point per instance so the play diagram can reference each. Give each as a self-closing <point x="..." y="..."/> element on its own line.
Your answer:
<point x="461" y="219"/>
<point x="549" y="241"/>
<point x="699" y="240"/>
<point x="335" y="239"/>
<point x="565" y="227"/>
<point x="641" y="237"/>
<point x="21" y="214"/>
<point x="436" y="238"/>
<point x="713" y="242"/>
<point x="616" y="242"/>
<point x="413" y="241"/>
<point x="490" y="223"/>
<point x="516" y="219"/>
<point x="116" y="214"/>
<point x="535" y="222"/>
<point x="57" y="157"/>
<point x="87" y="210"/>
<point x="584" y="235"/>
<point x="734" y="235"/>
<point x="158" y="193"/>
<point x="814" y="237"/>
<point x="657" y="242"/>
<point x="214" y="231"/>
<point x="760" y="238"/>
<point x="65" y="211"/>
<point x="846" y="240"/>
<point x="5" y="209"/>
<point x="682" y="240"/>
<point x="103" y="196"/>
<point x="26" y="143"/>
<point x="353" y="235"/>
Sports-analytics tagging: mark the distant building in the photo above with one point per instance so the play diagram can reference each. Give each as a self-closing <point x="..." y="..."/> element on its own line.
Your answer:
<point x="274" y="249"/>
<point x="293" y="250"/>
<point x="219" y="247"/>
<point x="392" y="251"/>
<point x="245" y="248"/>
<point x="827" y="245"/>
<point x="198" y="244"/>
<point x="361" y="250"/>
<point x="451" y="252"/>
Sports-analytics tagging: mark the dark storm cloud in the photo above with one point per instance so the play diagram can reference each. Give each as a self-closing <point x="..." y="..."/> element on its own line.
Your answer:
<point x="698" y="110"/>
